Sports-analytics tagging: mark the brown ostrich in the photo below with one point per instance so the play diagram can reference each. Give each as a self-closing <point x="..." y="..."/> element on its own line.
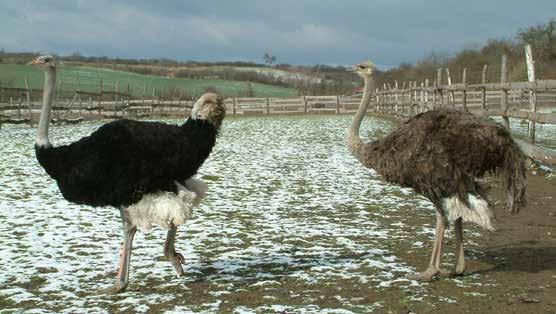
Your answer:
<point x="439" y="154"/>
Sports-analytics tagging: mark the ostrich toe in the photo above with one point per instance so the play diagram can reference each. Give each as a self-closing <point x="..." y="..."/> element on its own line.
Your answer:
<point x="428" y="275"/>
<point x="177" y="259"/>
<point x="111" y="290"/>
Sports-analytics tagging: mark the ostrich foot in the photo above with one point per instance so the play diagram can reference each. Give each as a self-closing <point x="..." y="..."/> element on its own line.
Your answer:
<point x="427" y="275"/>
<point x="177" y="260"/>
<point x="111" y="290"/>
<point x="456" y="272"/>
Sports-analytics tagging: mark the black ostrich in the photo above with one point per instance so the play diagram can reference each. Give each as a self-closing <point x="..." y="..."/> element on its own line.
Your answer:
<point x="439" y="154"/>
<point x="145" y="169"/>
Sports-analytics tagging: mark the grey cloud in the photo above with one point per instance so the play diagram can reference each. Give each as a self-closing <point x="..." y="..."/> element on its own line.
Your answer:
<point x="299" y="32"/>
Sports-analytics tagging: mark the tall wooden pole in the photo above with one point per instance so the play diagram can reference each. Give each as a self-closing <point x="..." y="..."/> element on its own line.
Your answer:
<point x="483" y="89"/>
<point x="464" y="95"/>
<point x="532" y="92"/>
<point x="29" y="100"/>
<point x="504" y="95"/>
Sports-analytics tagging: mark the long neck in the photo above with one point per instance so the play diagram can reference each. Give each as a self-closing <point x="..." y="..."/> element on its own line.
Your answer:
<point x="47" y="96"/>
<point x="354" y="140"/>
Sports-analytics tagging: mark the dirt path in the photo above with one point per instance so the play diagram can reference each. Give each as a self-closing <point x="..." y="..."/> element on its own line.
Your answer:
<point x="519" y="259"/>
<point x="527" y="243"/>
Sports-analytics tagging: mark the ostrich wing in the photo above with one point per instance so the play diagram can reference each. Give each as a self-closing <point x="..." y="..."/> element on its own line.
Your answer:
<point x="440" y="152"/>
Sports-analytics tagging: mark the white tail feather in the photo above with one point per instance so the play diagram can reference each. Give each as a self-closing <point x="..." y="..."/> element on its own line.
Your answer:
<point x="478" y="211"/>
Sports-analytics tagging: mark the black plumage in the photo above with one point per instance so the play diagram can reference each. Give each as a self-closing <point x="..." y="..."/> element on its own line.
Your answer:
<point x="145" y="169"/>
<point x="123" y="160"/>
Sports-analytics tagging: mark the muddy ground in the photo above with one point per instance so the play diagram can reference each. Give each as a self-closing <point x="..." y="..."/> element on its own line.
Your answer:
<point x="512" y="270"/>
<point x="516" y="267"/>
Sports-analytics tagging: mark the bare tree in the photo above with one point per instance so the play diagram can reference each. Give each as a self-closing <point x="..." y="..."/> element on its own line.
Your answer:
<point x="268" y="58"/>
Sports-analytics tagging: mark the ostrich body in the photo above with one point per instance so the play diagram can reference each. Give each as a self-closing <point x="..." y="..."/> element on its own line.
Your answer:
<point x="439" y="154"/>
<point x="145" y="169"/>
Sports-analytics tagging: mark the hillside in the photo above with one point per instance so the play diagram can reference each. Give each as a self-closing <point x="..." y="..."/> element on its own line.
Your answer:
<point x="13" y="75"/>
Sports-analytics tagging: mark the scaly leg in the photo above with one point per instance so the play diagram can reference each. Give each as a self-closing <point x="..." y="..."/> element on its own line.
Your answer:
<point x="460" y="257"/>
<point x="170" y="253"/>
<point x="434" y="265"/>
<point x="122" y="279"/>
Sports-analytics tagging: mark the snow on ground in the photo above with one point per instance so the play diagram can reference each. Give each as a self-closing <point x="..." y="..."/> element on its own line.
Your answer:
<point x="287" y="207"/>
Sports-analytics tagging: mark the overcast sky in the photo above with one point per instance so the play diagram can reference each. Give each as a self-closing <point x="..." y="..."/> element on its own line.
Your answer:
<point x="295" y="31"/>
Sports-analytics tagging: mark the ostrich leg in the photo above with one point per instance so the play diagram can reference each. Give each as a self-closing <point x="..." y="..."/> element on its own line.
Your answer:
<point x="123" y="273"/>
<point x="460" y="257"/>
<point x="122" y="278"/>
<point x="170" y="253"/>
<point x="434" y="265"/>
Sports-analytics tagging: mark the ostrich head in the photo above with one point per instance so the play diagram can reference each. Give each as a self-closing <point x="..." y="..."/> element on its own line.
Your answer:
<point x="44" y="62"/>
<point x="209" y="107"/>
<point x="364" y="69"/>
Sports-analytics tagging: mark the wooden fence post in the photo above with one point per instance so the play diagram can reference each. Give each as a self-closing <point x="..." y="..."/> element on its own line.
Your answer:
<point x="532" y="92"/>
<point x="422" y="98"/>
<point x="416" y="97"/>
<point x="234" y="106"/>
<point x="305" y="103"/>
<point x="377" y="100"/>
<point x="126" y="104"/>
<point x="267" y="106"/>
<point x="504" y="95"/>
<point x="78" y="91"/>
<point x="337" y="104"/>
<point x="161" y="101"/>
<point x="29" y="101"/>
<point x="391" y="98"/>
<point x="450" y="97"/>
<point x="100" y="98"/>
<point x="426" y="94"/>
<point x="402" y="101"/>
<point x="116" y="97"/>
<point x="439" y="86"/>
<point x="143" y="94"/>
<point x="179" y="99"/>
<point x="483" y="89"/>
<point x="59" y="92"/>
<point x="396" y="96"/>
<point x="413" y="85"/>
<point x="435" y="94"/>
<point x="19" y="107"/>
<point x="464" y="95"/>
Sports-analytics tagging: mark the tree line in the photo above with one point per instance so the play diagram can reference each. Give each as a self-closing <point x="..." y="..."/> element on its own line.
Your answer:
<point x="335" y="80"/>
<point x="542" y="39"/>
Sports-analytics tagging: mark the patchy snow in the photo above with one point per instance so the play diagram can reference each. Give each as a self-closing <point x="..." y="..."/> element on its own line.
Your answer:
<point x="287" y="207"/>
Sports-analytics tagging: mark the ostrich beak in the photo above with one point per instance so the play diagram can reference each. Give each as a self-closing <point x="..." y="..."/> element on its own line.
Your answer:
<point x="35" y="61"/>
<point x="354" y="68"/>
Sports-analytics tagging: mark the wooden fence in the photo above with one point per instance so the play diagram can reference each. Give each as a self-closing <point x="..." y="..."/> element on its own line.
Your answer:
<point x="533" y="101"/>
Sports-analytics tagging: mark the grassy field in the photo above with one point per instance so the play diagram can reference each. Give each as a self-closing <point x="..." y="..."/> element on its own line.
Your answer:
<point x="13" y="75"/>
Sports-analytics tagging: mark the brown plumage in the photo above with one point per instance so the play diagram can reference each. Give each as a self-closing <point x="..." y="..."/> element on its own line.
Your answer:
<point x="439" y="154"/>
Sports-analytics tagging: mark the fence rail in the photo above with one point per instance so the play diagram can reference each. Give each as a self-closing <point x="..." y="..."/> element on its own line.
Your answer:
<point x="533" y="101"/>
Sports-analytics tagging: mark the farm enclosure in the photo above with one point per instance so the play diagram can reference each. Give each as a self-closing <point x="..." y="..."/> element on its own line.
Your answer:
<point x="291" y="223"/>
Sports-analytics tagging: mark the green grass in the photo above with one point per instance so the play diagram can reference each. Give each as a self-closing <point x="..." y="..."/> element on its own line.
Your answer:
<point x="13" y="75"/>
